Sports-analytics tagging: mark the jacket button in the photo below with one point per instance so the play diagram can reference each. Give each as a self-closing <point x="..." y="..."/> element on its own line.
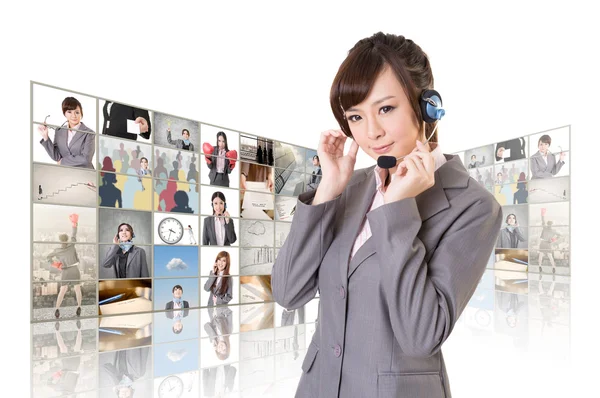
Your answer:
<point x="337" y="350"/>
<point x="342" y="292"/>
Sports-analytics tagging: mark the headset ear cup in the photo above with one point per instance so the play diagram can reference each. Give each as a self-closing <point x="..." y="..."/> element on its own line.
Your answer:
<point x="428" y="111"/>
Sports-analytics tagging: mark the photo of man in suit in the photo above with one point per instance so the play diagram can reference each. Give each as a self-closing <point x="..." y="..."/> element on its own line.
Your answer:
<point x="543" y="162"/>
<point x="115" y="121"/>
<point x="177" y="303"/>
<point x="73" y="145"/>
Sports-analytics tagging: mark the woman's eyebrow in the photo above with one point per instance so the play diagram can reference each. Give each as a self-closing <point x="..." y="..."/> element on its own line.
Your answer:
<point x="374" y="103"/>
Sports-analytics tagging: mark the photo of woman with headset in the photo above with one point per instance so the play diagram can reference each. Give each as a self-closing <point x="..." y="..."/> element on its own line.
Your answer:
<point x="511" y="234"/>
<point x="218" y="229"/>
<point x="127" y="260"/>
<point x="400" y="247"/>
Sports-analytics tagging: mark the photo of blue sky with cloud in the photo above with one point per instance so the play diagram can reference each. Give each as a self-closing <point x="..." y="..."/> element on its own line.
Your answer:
<point x="175" y="261"/>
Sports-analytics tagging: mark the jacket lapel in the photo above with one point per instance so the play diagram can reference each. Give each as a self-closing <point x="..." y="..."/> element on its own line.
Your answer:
<point x="359" y="198"/>
<point x="131" y="256"/>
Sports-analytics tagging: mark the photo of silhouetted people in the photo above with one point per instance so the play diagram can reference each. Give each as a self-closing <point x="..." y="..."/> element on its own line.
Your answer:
<point x="74" y="145"/>
<point x="116" y="118"/>
<point x="110" y="195"/>
<point x="181" y="203"/>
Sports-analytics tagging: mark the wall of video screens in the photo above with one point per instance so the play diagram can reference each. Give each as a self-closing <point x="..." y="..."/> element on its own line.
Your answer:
<point x="137" y="211"/>
<point x="530" y="178"/>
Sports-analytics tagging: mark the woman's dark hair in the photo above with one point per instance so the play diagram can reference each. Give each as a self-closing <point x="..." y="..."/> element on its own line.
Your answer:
<point x="220" y="133"/>
<point x="70" y="104"/>
<point x="218" y="194"/>
<point x="317" y="157"/>
<point x="366" y="60"/>
<point x="545" y="139"/>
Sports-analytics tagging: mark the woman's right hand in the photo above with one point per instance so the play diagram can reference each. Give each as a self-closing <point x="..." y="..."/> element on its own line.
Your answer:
<point x="116" y="240"/>
<point x="336" y="167"/>
<point x="43" y="131"/>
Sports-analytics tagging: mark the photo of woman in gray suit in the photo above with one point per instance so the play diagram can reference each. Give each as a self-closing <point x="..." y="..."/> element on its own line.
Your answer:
<point x="219" y="160"/>
<point x="511" y="234"/>
<point x="219" y="283"/>
<point x="395" y="252"/>
<point x="218" y="229"/>
<point x="74" y="145"/>
<point x="543" y="162"/>
<point x="126" y="260"/>
<point x="66" y="260"/>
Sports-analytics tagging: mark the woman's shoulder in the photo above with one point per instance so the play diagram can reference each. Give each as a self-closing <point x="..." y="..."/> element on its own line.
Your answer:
<point x="85" y="128"/>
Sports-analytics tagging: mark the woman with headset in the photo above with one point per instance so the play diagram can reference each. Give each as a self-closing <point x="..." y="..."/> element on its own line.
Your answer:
<point x="399" y="247"/>
<point x="218" y="229"/>
<point x="127" y="260"/>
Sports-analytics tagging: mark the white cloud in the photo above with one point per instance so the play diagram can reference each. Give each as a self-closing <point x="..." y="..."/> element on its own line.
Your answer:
<point x="177" y="264"/>
<point x="176" y="355"/>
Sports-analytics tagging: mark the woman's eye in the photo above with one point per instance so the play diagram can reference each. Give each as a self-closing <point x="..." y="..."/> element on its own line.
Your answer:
<point x="386" y="109"/>
<point x="354" y="118"/>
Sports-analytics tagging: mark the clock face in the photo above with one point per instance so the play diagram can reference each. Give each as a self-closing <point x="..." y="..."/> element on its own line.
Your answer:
<point x="170" y="230"/>
<point x="171" y="387"/>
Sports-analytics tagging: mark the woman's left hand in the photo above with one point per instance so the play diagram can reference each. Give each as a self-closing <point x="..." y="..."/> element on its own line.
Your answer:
<point x="226" y="214"/>
<point x="415" y="174"/>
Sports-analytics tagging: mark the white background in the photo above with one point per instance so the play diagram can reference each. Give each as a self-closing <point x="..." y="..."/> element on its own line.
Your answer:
<point x="504" y="69"/>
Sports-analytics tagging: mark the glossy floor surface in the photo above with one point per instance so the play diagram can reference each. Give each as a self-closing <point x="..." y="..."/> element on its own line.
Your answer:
<point x="515" y="327"/>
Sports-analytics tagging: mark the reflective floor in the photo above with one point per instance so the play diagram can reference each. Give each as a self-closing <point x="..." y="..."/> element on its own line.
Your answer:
<point x="514" y="323"/>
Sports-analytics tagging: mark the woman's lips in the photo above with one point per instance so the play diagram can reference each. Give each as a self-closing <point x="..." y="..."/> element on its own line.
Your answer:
<point x="382" y="149"/>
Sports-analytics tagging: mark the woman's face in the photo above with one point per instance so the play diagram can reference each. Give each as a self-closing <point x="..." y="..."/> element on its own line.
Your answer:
<point x="222" y="263"/>
<point x="511" y="220"/>
<point x="218" y="205"/>
<point x="384" y="123"/>
<point x="221" y="142"/>
<point x="124" y="233"/>
<point x="543" y="147"/>
<point x="144" y="164"/>
<point x="315" y="162"/>
<point x="73" y="116"/>
<point x="221" y="347"/>
<point x="186" y="135"/>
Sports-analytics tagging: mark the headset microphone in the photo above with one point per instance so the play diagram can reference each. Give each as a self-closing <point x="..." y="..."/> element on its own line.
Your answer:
<point x="431" y="111"/>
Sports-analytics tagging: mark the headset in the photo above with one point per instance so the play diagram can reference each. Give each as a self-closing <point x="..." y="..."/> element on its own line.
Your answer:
<point x="431" y="112"/>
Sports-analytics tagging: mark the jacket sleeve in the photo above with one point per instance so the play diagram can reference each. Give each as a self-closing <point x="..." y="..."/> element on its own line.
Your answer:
<point x="111" y="256"/>
<point x="229" y="293"/>
<point x="295" y="271"/>
<point x="51" y="148"/>
<point x="535" y="170"/>
<point x="143" y="264"/>
<point x="169" y="140"/>
<point x="205" y="231"/>
<point x="425" y="299"/>
<point x="520" y="235"/>
<point x="557" y="165"/>
<point x="87" y="153"/>
<point x="211" y="280"/>
<point x="230" y="231"/>
<point x="143" y="113"/>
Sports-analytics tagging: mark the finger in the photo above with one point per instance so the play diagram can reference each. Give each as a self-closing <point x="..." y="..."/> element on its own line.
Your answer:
<point x="422" y="147"/>
<point x="427" y="160"/>
<point x="353" y="150"/>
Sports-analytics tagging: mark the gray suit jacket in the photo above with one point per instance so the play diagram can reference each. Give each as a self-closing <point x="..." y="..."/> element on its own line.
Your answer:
<point x="212" y="174"/>
<point x="209" y="235"/>
<point x="137" y="267"/>
<point x="78" y="154"/>
<point x="224" y="298"/>
<point x="539" y="168"/>
<point x="384" y="315"/>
